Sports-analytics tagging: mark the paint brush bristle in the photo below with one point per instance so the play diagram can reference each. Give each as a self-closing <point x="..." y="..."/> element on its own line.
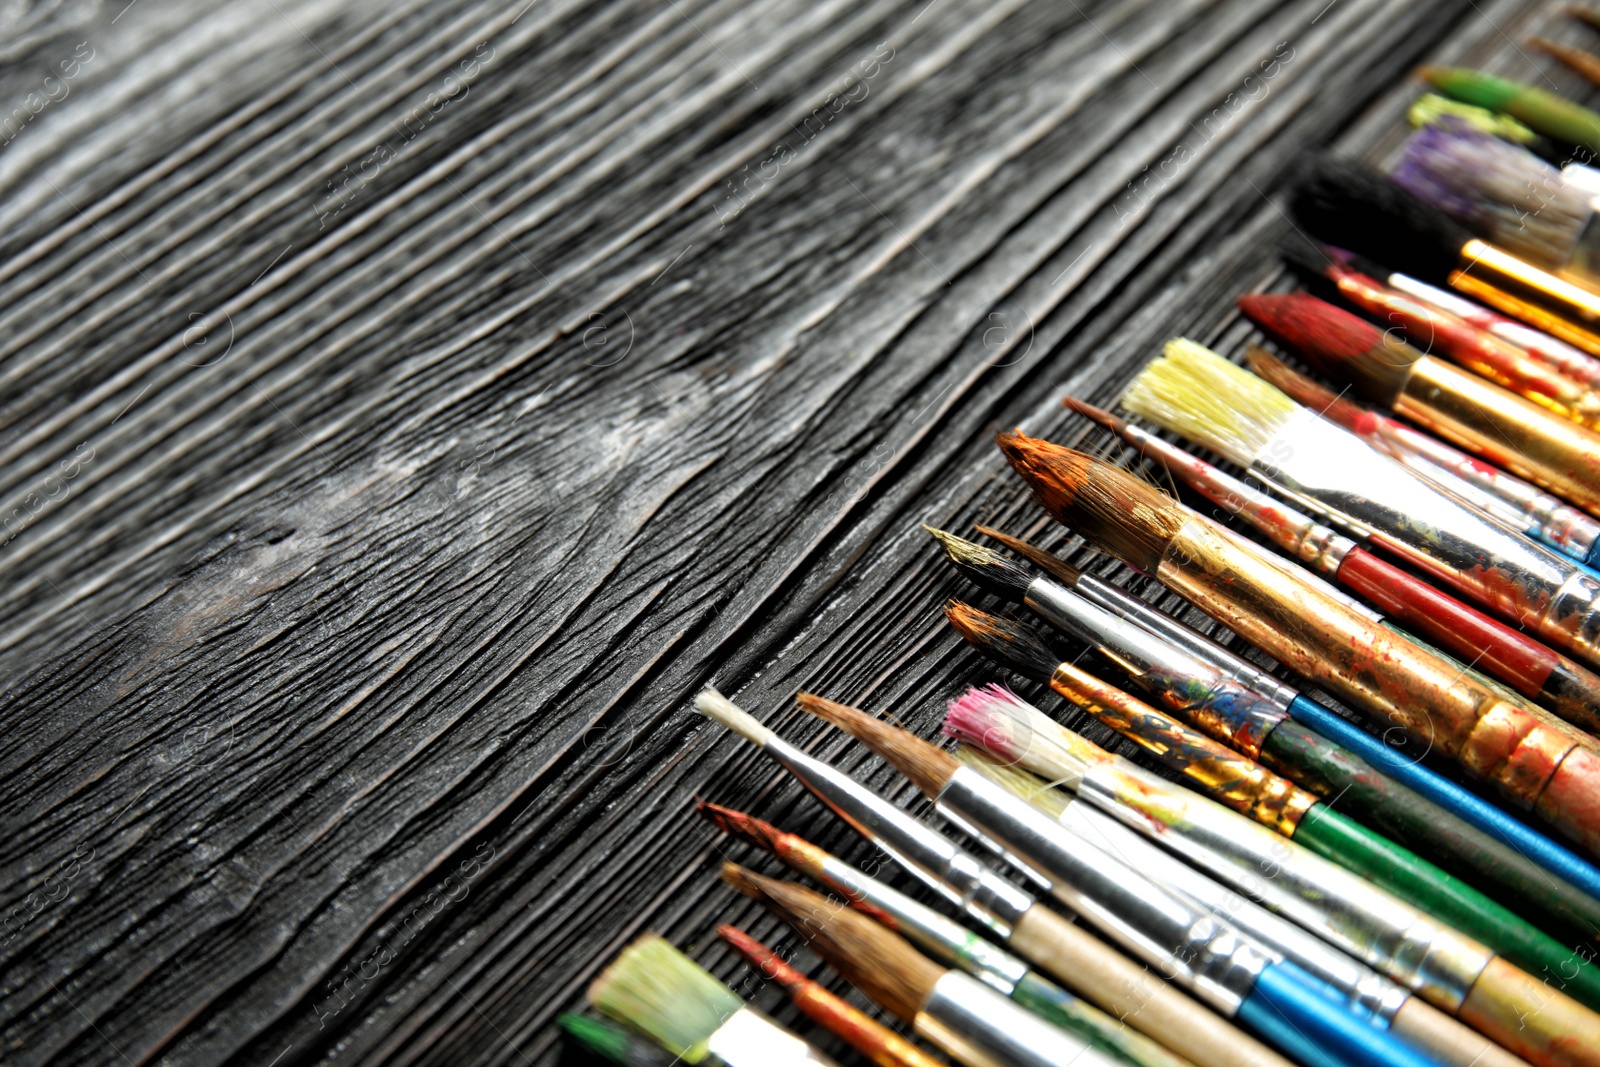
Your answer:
<point x="988" y="569"/>
<point x="1362" y="210"/>
<point x="928" y="767"/>
<point x="791" y="849"/>
<point x="1007" y="727"/>
<point x="1335" y="341"/>
<point x="1005" y="640"/>
<point x="660" y="992"/>
<point x="713" y="705"/>
<point x="878" y="962"/>
<point x="1128" y="518"/>
<point x="1048" y="562"/>
<point x="1201" y="396"/>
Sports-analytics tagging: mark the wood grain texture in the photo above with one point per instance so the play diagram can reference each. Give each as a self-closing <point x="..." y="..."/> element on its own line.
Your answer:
<point x="404" y="412"/>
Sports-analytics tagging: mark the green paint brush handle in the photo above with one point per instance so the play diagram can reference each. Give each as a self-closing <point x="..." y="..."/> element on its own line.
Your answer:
<point x="1549" y="114"/>
<point x="1330" y="770"/>
<point x="1077" y="1016"/>
<point x="1346" y="842"/>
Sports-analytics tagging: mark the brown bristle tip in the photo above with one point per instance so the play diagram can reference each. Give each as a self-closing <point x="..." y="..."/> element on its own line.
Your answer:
<point x="1118" y="512"/>
<point x="928" y="766"/>
<point x="1099" y="416"/>
<point x="1048" y="561"/>
<point x="741" y="824"/>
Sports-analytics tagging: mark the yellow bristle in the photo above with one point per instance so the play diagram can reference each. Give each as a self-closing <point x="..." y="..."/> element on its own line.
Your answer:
<point x="1203" y="398"/>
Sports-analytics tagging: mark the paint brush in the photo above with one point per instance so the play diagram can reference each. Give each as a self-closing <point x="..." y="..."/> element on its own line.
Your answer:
<point x="856" y="1028"/>
<point x="1536" y="764"/>
<point x="1261" y="731"/>
<point x="1197" y="394"/>
<point x="1455" y="973"/>
<point x="1543" y="112"/>
<point x="1469" y="410"/>
<point x="1432" y="109"/>
<point x="1503" y="496"/>
<point x="1553" y="352"/>
<point x="1575" y="59"/>
<point x="1238" y="977"/>
<point x="1394" y="754"/>
<point x="1085" y="964"/>
<point x="1508" y="655"/>
<point x="1385" y="1002"/>
<point x="954" y="1011"/>
<point x="1358" y="208"/>
<point x="1239" y="783"/>
<point x="948" y="941"/>
<point x="612" y="1043"/>
<point x="669" y="998"/>
<point x="1486" y="355"/>
<point x="1506" y="195"/>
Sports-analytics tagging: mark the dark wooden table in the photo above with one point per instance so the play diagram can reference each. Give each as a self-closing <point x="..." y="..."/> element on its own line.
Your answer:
<point x="407" y="410"/>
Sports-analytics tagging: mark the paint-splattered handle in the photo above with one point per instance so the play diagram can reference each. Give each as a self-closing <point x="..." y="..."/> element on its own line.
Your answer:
<point x="1077" y="1016"/>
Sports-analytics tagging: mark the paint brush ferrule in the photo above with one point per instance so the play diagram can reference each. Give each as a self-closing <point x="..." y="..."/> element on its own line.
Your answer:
<point x="749" y="1039"/>
<point x="979" y="1027"/>
<point x="944" y="939"/>
<point x="1136" y="650"/>
<point x="1553" y="304"/>
<point x="1130" y="608"/>
<point x="1367" y="993"/>
<point x="1232" y="779"/>
<point x="1188" y="944"/>
<point x="988" y="899"/>
<point x="1363" y="663"/>
<point x="1341" y="907"/>
<point x="1515" y="576"/>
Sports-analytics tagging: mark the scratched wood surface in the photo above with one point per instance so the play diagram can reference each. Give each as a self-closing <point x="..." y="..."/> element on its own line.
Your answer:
<point x="404" y="410"/>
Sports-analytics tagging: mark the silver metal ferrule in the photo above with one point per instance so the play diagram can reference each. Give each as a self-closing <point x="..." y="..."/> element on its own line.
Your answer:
<point x="1234" y="668"/>
<point x="1134" y="648"/>
<point x="957" y="875"/>
<point x="749" y="1039"/>
<point x="944" y="939"/>
<point x="1388" y="504"/>
<point x="980" y="1028"/>
<point x="1342" y="908"/>
<point x="1367" y="993"/>
<point x="1182" y="941"/>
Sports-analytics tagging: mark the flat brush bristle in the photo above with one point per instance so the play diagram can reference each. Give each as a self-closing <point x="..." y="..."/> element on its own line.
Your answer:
<point x="1048" y="562"/>
<point x="1358" y="208"/>
<point x="1123" y="515"/>
<point x="1202" y="397"/>
<point x="878" y="962"/>
<point x="990" y="570"/>
<point x="1334" y="340"/>
<point x="1014" y="731"/>
<point x="928" y="767"/>
<point x="659" y="991"/>
<point x="1007" y="641"/>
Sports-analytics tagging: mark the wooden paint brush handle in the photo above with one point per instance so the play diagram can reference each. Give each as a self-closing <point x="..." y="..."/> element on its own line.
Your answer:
<point x="1135" y="994"/>
<point x="1446" y="1039"/>
<point x="1536" y="1021"/>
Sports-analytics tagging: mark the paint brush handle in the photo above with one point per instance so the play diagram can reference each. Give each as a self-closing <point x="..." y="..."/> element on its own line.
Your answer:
<point x="1510" y="656"/>
<point x="1340" y="839"/>
<point x="1134" y="993"/>
<point x="1299" y="1014"/>
<point x="1451" y="1042"/>
<point x="1403" y="762"/>
<point x="1533" y="1020"/>
<point x="1405" y="815"/>
<point x="1055" y="1005"/>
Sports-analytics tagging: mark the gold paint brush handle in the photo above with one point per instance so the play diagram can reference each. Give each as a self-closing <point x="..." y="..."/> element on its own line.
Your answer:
<point x="1430" y="1030"/>
<point x="1557" y="306"/>
<point x="1135" y="994"/>
<point x="1553" y="452"/>
<point x="1539" y="1023"/>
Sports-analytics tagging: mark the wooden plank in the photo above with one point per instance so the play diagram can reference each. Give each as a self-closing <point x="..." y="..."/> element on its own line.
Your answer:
<point x="402" y="419"/>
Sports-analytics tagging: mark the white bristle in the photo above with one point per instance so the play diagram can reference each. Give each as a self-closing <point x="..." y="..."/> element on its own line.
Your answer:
<point x="713" y="705"/>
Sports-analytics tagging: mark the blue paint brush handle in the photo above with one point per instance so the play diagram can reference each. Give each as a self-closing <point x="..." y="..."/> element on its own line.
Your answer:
<point x="1509" y="830"/>
<point x="1300" y="1015"/>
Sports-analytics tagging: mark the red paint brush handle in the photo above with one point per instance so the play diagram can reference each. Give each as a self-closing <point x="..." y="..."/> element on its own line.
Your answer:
<point x="1466" y="633"/>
